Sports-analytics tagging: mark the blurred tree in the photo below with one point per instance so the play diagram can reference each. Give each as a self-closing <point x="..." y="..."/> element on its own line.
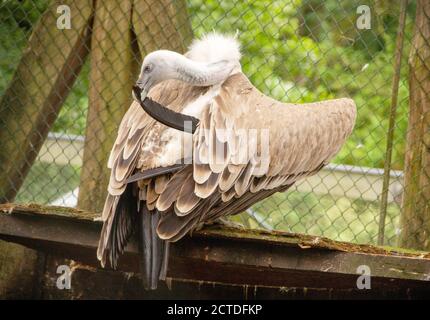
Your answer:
<point x="38" y="89"/>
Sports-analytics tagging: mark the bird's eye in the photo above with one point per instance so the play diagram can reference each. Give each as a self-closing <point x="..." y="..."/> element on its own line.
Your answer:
<point x="147" y="69"/>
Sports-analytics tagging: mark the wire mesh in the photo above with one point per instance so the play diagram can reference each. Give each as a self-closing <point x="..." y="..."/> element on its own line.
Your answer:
<point x="293" y="50"/>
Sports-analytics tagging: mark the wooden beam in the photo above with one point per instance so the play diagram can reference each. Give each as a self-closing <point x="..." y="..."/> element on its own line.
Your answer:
<point x="44" y="77"/>
<point x="225" y="255"/>
<point x="19" y="270"/>
<point x="415" y="218"/>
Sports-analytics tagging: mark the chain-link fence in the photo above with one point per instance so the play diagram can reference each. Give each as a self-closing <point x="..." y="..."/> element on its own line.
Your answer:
<point x="66" y="64"/>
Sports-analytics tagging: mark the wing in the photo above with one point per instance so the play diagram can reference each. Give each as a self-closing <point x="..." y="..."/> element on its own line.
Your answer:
<point x="247" y="147"/>
<point x="137" y="145"/>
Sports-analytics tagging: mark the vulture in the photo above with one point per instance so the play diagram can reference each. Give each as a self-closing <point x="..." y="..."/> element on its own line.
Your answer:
<point x="235" y="147"/>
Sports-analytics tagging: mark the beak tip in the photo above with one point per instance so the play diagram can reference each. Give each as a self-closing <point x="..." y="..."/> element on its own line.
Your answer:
<point x="138" y="93"/>
<point x="135" y="93"/>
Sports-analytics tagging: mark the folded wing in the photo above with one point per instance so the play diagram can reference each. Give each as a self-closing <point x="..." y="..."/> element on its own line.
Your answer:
<point x="247" y="147"/>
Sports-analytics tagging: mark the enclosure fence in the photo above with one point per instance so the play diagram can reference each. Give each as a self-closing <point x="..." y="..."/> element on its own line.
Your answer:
<point x="67" y="68"/>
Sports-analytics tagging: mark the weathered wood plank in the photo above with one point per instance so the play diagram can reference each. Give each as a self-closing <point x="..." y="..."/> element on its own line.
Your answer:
<point x="44" y="77"/>
<point x="19" y="270"/>
<point x="415" y="218"/>
<point x="94" y="283"/>
<point x="225" y="255"/>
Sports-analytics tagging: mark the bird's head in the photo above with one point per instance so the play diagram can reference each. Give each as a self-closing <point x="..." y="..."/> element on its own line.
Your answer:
<point x="156" y="67"/>
<point x="164" y="64"/>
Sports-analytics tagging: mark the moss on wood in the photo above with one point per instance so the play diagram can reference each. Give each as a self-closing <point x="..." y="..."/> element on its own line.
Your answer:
<point x="303" y="241"/>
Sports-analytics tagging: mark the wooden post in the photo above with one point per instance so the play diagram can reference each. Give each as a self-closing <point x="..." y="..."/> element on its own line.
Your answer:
<point x="161" y="24"/>
<point x="124" y="31"/>
<point x="391" y="123"/>
<point x="415" y="219"/>
<point x="111" y="78"/>
<point x="44" y="77"/>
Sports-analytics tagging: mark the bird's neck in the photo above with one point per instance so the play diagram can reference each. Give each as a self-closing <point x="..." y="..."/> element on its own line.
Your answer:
<point x="201" y="73"/>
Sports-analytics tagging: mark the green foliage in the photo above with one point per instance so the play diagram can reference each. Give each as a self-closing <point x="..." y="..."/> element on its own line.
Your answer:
<point x="293" y="50"/>
<point x="296" y="51"/>
<point x="73" y="115"/>
<point x="11" y="43"/>
<point x="308" y="50"/>
<point x="47" y="181"/>
<point x="25" y="13"/>
<point x="16" y="21"/>
<point x="338" y="218"/>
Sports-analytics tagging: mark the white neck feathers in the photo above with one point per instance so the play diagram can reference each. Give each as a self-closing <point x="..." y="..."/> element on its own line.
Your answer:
<point x="210" y="60"/>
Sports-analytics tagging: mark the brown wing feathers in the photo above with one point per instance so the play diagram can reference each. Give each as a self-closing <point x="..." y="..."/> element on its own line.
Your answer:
<point x="234" y="180"/>
<point x="128" y="154"/>
<point x="230" y="170"/>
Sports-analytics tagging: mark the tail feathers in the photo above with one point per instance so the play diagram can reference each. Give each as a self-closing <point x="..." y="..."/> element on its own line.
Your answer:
<point x="122" y="226"/>
<point x="153" y="250"/>
<point x="118" y="226"/>
<point x="122" y="217"/>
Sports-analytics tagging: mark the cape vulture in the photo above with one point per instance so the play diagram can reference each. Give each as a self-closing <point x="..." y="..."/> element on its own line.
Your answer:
<point x="240" y="147"/>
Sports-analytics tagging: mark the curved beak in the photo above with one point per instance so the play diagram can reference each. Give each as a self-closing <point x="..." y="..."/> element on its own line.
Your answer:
<point x="139" y="94"/>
